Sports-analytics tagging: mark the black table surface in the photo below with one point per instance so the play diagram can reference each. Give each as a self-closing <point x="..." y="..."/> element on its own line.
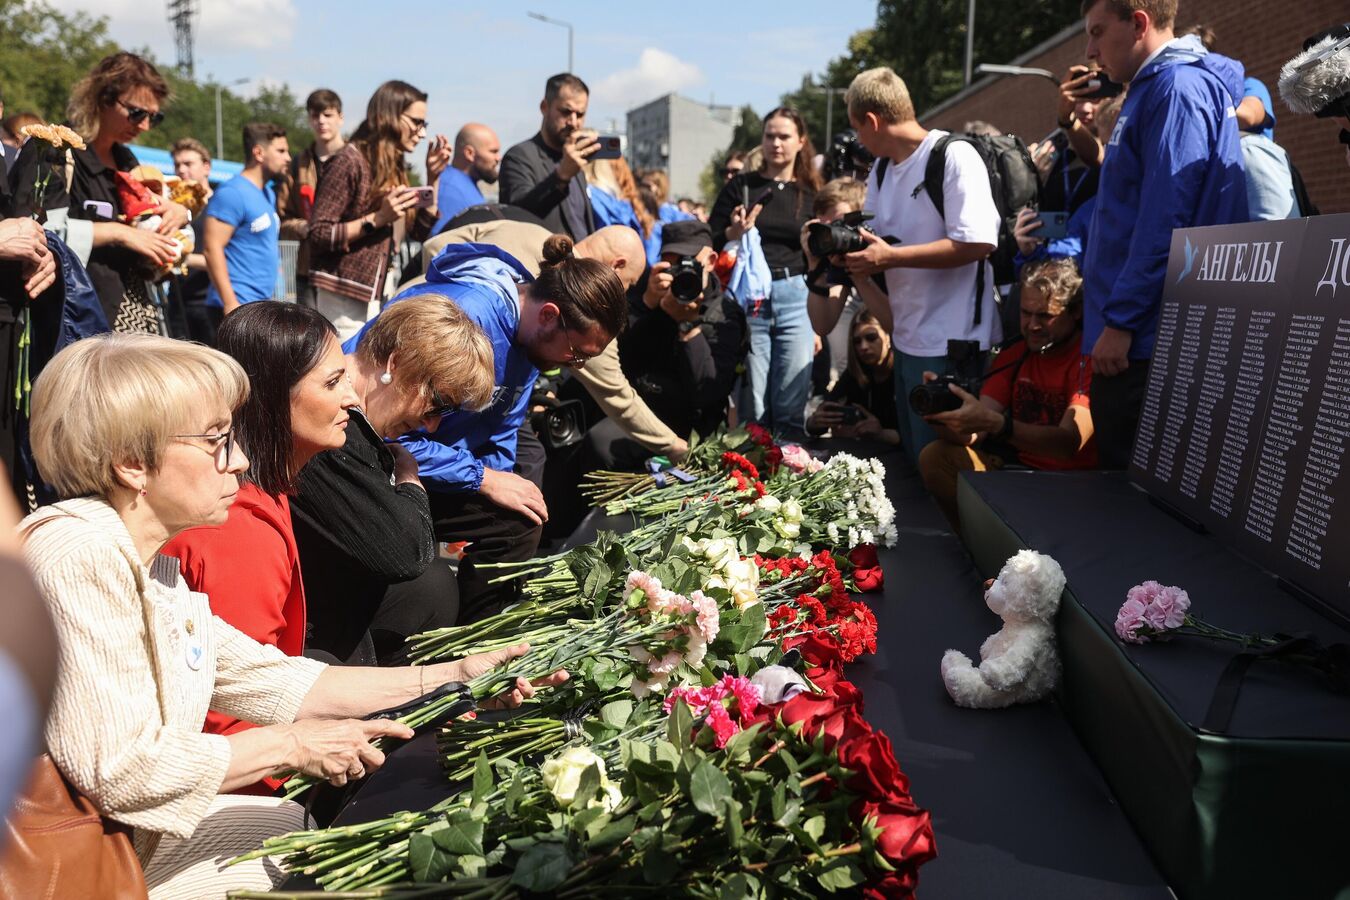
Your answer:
<point x="1019" y="808"/>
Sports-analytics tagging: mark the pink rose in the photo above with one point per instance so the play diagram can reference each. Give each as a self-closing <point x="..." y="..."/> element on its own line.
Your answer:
<point x="796" y="458"/>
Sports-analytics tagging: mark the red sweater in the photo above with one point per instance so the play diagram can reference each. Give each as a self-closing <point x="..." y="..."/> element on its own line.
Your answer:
<point x="250" y="569"/>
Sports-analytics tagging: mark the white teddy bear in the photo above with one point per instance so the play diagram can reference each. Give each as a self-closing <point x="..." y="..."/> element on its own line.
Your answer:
<point x="1019" y="664"/>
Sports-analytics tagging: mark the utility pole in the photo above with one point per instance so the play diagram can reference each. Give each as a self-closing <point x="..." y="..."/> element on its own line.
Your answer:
<point x="220" y="129"/>
<point x="181" y="14"/>
<point x="568" y="25"/>
<point x="970" y="40"/>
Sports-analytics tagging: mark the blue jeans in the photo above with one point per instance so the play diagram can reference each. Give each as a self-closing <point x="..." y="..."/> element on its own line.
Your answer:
<point x="778" y="380"/>
<point x="915" y="433"/>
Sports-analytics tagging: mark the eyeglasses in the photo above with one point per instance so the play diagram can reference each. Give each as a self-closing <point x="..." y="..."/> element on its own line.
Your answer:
<point x="575" y="360"/>
<point x="731" y="170"/>
<point x="417" y="124"/>
<point x="221" y="445"/>
<point x="136" y="115"/>
<point x="439" y="406"/>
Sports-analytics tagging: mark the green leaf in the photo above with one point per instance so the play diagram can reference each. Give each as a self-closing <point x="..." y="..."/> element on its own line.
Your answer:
<point x="427" y="861"/>
<point x="735" y="830"/>
<point x="471" y="866"/>
<point x="482" y="777"/>
<point x="616" y="713"/>
<point x="659" y="867"/>
<point x="752" y="619"/>
<point x="741" y="886"/>
<point x="597" y="581"/>
<point x="666" y="752"/>
<point x="611" y="835"/>
<point x="587" y="785"/>
<point x="515" y="792"/>
<point x="739" y="746"/>
<point x="841" y="876"/>
<point x="542" y="868"/>
<point x="679" y="725"/>
<point x="814" y="826"/>
<point x="463" y="834"/>
<point x="630" y="750"/>
<point x="708" y="788"/>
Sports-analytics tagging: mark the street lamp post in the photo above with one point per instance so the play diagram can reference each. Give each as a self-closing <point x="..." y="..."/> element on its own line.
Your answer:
<point x="970" y="40"/>
<point x="568" y="25"/>
<point x="220" y="126"/>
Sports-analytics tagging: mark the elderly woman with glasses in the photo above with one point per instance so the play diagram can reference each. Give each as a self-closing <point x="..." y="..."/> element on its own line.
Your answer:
<point x="364" y="206"/>
<point x="110" y="107"/>
<point x="135" y="431"/>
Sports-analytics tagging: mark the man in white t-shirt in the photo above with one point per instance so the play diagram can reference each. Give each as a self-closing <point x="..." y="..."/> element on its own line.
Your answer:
<point x="931" y="262"/>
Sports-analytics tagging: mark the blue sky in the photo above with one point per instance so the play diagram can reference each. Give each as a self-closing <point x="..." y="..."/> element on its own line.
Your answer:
<point x="487" y="62"/>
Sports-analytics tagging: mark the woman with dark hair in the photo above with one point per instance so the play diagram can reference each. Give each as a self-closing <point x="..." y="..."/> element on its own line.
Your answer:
<point x="862" y="402"/>
<point x="110" y="107"/>
<point x="364" y="207"/>
<point x="775" y="199"/>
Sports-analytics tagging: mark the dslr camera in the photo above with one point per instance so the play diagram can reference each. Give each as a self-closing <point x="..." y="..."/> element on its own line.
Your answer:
<point x="841" y="236"/>
<point x="686" y="279"/>
<point x="935" y="396"/>
<point x="561" y="423"/>
<point x="847" y="157"/>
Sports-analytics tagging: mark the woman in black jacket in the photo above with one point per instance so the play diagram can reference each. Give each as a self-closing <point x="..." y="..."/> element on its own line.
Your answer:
<point x="362" y="518"/>
<point x="862" y="402"/>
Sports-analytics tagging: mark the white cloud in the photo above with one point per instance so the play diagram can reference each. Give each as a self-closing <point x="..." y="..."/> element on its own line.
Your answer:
<point x="657" y="73"/>
<point x="232" y="25"/>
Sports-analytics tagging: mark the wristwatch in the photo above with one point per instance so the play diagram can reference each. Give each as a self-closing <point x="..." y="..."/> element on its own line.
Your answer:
<point x="367" y="226"/>
<point x="686" y="327"/>
<point x="1005" y="432"/>
<point x="1072" y="121"/>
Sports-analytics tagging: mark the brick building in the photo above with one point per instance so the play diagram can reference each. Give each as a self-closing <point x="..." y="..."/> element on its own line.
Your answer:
<point x="1260" y="34"/>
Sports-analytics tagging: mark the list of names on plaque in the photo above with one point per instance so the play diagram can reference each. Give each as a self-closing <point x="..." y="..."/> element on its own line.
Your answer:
<point x="1263" y="502"/>
<point x="1313" y="505"/>
<point x="1209" y="394"/>
<point x="1146" y="435"/>
<point x="1284" y="422"/>
<point x="1179" y="392"/>
<point x="1215" y="387"/>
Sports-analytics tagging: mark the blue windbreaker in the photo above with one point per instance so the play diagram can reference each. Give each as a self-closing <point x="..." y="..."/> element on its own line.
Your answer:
<point x="482" y="281"/>
<point x="1173" y="161"/>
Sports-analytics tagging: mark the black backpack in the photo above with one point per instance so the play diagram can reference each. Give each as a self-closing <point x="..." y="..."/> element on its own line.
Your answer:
<point x="1013" y="180"/>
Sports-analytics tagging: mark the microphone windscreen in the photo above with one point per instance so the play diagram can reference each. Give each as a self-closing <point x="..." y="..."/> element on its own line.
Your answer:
<point x="1318" y="77"/>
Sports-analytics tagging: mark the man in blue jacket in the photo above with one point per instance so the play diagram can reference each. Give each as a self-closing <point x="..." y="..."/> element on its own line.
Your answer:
<point x="567" y="316"/>
<point x="1173" y="161"/>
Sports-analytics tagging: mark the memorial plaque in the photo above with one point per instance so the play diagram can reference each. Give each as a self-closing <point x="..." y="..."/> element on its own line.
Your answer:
<point x="1246" y="419"/>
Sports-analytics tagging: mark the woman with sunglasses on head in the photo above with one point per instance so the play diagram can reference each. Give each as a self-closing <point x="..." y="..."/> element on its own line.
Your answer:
<point x="364" y="207"/>
<point x="110" y="107"/>
<point x="862" y="402"/>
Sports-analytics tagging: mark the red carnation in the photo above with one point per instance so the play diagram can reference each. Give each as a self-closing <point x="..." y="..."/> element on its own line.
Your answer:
<point x="866" y="569"/>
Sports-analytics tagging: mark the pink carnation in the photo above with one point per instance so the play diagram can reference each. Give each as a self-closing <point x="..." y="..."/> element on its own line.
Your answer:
<point x="709" y="619"/>
<point x="1130" y="621"/>
<point x="719" y="720"/>
<point x="796" y="458"/>
<point x="1167" y="605"/>
<point x="641" y="581"/>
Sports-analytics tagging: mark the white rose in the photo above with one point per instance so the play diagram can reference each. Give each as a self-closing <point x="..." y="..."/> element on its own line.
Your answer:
<point x="787" y="529"/>
<point x="743" y="572"/>
<point x="562" y="773"/>
<point x="768" y="503"/>
<point x="792" y="511"/>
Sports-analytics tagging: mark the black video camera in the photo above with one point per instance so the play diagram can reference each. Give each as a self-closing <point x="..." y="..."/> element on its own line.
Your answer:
<point x="935" y="396"/>
<point x="847" y="157"/>
<point x="841" y="236"/>
<point x="561" y="423"/>
<point x="686" y="279"/>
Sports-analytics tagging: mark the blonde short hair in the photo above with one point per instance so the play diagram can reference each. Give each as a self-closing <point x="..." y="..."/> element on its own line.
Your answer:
<point x="436" y="344"/>
<point x="882" y="92"/>
<point x="119" y="398"/>
<point x="846" y="191"/>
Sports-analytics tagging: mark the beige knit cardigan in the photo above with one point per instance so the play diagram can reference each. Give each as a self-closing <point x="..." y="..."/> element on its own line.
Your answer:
<point x="142" y="659"/>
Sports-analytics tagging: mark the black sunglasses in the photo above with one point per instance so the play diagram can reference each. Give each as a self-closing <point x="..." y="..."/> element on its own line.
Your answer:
<point x="439" y="406"/>
<point x="136" y="115"/>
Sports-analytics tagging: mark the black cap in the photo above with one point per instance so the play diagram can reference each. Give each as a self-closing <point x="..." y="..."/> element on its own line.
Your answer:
<point x="686" y="237"/>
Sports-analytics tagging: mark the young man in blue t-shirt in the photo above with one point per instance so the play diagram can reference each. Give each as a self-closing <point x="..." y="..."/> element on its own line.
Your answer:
<point x="241" y="233"/>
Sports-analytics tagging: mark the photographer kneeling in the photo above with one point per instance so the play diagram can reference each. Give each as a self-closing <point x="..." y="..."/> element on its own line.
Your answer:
<point x="1033" y="404"/>
<point x="684" y="341"/>
<point x="862" y="402"/>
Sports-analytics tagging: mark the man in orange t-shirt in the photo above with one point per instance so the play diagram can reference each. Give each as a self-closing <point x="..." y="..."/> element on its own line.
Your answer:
<point x="1033" y="407"/>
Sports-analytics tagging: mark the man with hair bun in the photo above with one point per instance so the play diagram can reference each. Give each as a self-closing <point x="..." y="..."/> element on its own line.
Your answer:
<point x="565" y="317"/>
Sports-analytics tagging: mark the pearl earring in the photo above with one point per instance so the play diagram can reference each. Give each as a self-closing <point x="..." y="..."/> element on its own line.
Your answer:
<point x="386" y="378"/>
<point x="142" y="492"/>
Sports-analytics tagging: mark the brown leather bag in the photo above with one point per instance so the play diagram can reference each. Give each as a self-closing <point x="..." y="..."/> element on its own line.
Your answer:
<point x="57" y="846"/>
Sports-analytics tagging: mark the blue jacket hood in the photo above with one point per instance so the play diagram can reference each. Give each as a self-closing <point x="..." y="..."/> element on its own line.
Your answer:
<point x="483" y="265"/>
<point x="1189" y="49"/>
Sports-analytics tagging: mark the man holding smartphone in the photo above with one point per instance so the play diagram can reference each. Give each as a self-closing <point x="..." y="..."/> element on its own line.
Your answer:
<point x="543" y="175"/>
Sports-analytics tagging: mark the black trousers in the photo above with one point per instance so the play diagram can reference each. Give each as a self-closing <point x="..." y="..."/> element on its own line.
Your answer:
<point x="608" y="447"/>
<point x="202" y="322"/>
<point x="494" y="535"/>
<point x="1116" y="401"/>
<point x="429" y="601"/>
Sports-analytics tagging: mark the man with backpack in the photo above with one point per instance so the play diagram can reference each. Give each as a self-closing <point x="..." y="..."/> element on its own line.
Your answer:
<point x="939" y="284"/>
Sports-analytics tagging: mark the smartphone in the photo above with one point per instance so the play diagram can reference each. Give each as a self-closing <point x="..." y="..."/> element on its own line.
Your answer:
<point x="611" y="147"/>
<point x="763" y="199"/>
<point x="100" y="208"/>
<point x="1100" y="87"/>
<point x="1054" y="226"/>
<point x="850" y="415"/>
<point x="425" y="194"/>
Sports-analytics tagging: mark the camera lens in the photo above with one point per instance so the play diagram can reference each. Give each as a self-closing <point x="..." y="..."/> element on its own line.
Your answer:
<point x="933" y="397"/>
<point x="686" y="280"/>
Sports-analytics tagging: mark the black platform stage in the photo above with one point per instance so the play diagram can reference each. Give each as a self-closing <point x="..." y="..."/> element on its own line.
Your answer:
<point x="1257" y="811"/>
<point x="1020" y="808"/>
